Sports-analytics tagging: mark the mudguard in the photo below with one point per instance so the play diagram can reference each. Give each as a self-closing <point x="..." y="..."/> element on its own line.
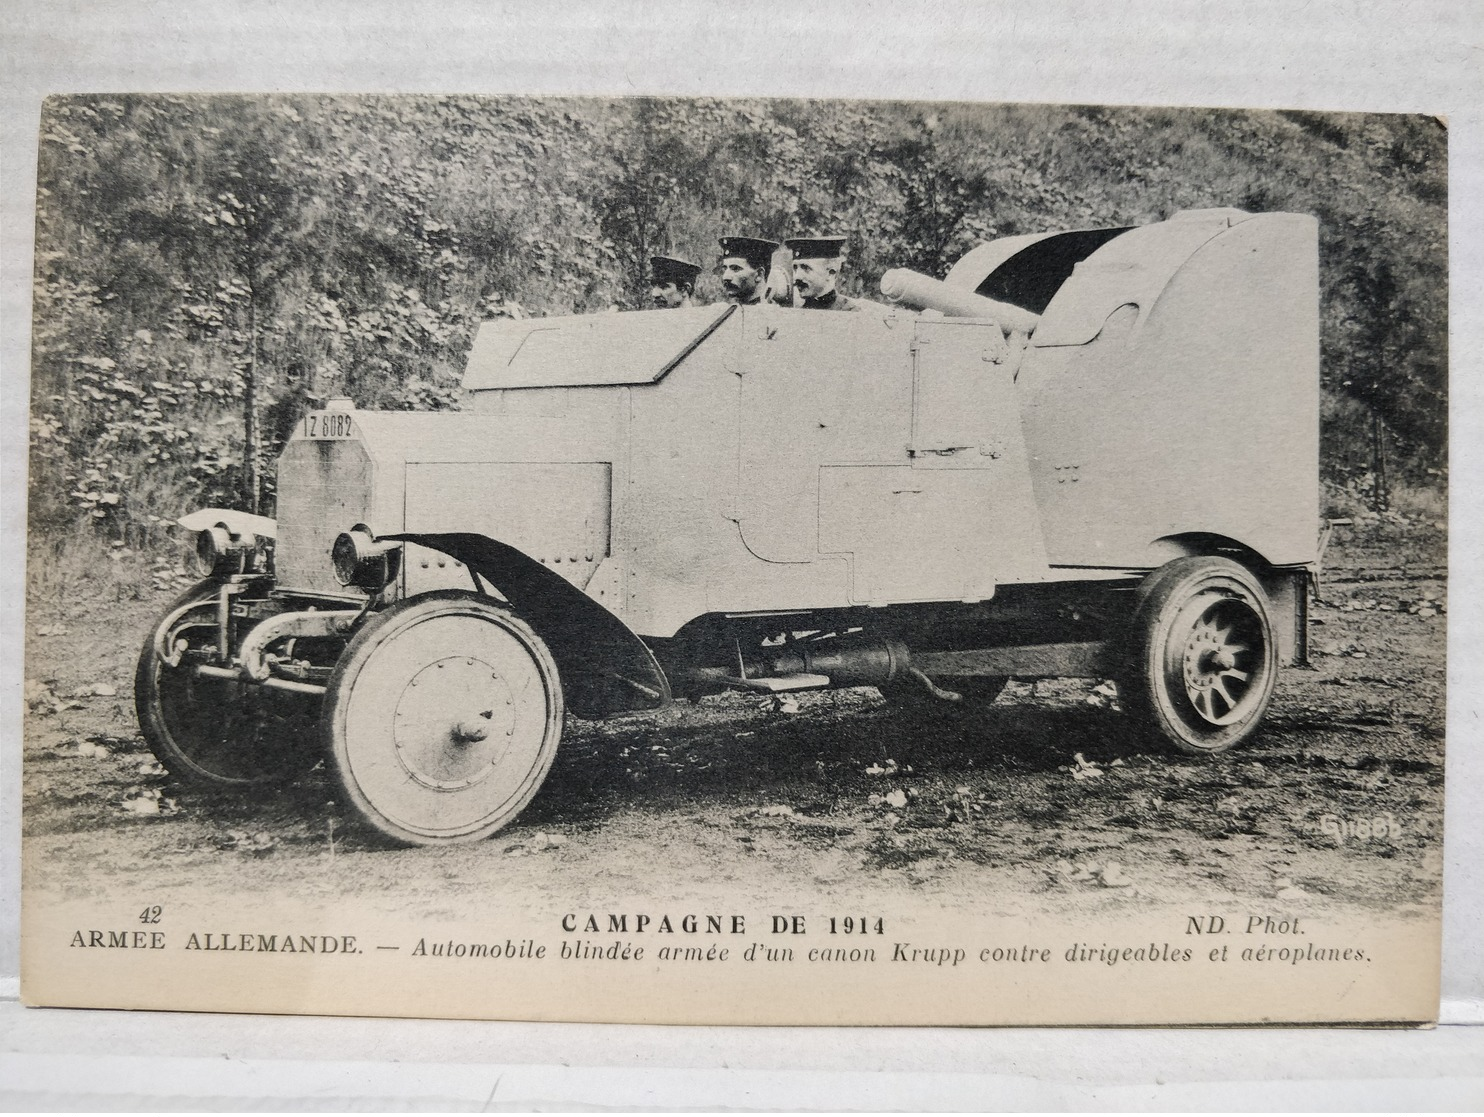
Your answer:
<point x="605" y="667"/>
<point x="238" y="523"/>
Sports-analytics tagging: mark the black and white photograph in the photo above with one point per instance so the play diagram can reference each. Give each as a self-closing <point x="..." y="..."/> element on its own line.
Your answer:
<point x="688" y="559"/>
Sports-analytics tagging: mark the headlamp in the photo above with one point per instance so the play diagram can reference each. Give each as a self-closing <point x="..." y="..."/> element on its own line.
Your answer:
<point x="223" y="552"/>
<point x="361" y="561"/>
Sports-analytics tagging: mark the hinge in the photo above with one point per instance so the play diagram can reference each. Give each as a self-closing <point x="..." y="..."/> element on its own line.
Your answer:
<point x="917" y="451"/>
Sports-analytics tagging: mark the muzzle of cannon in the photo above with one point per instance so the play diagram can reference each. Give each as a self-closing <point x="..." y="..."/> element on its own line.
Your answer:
<point x="923" y="292"/>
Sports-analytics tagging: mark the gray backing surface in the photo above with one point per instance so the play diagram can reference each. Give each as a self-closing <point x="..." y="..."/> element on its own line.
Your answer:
<point x="1421" y="56"/>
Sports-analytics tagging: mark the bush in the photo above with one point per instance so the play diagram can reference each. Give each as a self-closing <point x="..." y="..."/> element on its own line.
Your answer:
<point x="210" y="267"/>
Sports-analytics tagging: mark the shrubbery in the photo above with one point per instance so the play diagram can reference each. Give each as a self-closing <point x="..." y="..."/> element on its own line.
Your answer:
<point x="210" y="267"/>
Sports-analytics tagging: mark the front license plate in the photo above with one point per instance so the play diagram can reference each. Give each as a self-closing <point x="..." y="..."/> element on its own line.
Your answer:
<point x="329" y="424"/>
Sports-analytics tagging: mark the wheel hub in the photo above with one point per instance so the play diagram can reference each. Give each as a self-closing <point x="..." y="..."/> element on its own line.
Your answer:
<point x="453" y="723"/>
<point x="1214" y="684"/>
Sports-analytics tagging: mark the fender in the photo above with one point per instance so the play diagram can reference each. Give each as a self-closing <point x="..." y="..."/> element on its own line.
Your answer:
<point x="606" y="668"/>
<point x="238" y="523"/>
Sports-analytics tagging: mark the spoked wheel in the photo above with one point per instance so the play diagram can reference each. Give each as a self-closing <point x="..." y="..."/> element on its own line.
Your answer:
<point x="216" y="732"/>
<point x="1203" y="664"/>
<point x="443" y="718"/>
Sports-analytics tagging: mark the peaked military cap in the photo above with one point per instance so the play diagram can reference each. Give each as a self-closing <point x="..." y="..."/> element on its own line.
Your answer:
<point x="757" y="252"/>
<point x="667" y="269"/>
<point x="816" y="248"/>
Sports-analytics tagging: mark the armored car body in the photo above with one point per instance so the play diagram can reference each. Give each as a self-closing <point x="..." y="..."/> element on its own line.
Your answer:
<point x="1091" y="453"/>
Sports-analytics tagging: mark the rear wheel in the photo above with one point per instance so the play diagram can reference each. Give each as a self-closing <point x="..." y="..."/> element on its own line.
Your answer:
<point x="216" y="732"/>
<point x="1203" y="664"/>
<point x="443" y="718"/>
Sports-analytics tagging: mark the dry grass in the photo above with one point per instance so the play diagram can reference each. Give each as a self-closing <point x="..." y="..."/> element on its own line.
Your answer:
<point x="81" y="562"/>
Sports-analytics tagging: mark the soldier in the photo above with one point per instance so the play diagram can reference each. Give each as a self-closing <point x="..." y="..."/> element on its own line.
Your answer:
<point x="744" y="268"/>
<point x="672" y="282"/>
<point x="817" y="263"/>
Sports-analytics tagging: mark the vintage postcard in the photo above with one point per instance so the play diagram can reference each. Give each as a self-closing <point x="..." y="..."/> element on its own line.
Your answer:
<point x="687" y="560"/>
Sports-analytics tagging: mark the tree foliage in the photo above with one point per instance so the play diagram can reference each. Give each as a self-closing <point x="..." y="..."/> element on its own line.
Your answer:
<point x="209" y="267"/>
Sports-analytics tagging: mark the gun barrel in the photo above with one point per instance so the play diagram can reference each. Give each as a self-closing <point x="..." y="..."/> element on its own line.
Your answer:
<point x="926" y="293"/>
<point x="778" y="288"/>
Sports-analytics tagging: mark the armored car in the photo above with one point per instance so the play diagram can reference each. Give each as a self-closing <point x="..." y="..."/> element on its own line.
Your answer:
<point x="1088" y="453"/>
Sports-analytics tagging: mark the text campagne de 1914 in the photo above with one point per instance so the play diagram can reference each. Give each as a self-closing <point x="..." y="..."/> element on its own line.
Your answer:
<point x="595" y="939"/>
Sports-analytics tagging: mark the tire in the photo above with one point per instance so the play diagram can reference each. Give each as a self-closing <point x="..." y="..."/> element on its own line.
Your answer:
<point x="912" y="699"/>
<point x="1202" y="661"/>
<point x="215" y="732"/>
<point x="442" y="719"/>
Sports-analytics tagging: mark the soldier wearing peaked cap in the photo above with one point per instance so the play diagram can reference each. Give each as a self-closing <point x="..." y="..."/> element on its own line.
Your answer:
<point x="672" y="282"/>
<point x="744" y="268"/>
<point x="817" y="262"/>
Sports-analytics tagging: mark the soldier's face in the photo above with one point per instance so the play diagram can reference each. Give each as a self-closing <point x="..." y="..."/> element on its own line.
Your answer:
<point x="740" y="281"/>
<point x="666" y="296"/>
<point x="815" y="278"/>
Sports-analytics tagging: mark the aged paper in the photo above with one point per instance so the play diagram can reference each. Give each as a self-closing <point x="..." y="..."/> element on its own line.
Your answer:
<point x="831" y="538"/>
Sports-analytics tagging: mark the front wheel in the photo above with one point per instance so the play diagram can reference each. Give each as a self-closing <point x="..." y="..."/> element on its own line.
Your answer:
<point x="443" y="718"/>
<point x="216" y="732"/>
<point x="1202" y="663"/>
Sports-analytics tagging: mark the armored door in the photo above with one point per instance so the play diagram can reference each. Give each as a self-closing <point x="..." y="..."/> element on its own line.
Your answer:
<point x="838" y="458"/>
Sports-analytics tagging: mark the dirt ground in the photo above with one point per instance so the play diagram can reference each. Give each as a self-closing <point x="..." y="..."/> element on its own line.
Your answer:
<point x="1046" y="803"/>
